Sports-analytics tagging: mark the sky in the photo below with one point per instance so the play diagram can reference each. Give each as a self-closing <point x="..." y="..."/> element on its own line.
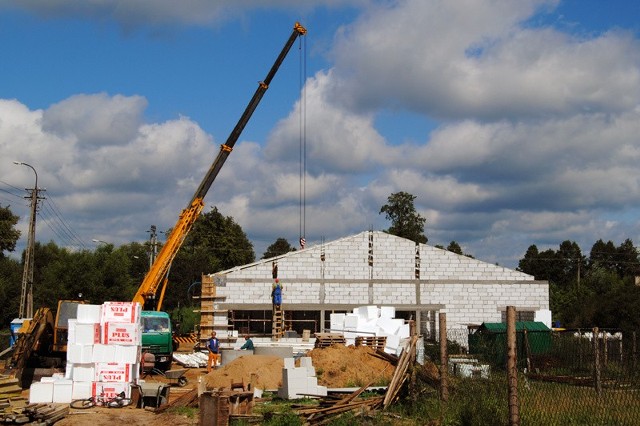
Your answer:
<point x="512" y="122"/>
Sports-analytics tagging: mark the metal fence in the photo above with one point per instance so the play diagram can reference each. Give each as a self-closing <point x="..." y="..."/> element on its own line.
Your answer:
<point x="575" y="377"/>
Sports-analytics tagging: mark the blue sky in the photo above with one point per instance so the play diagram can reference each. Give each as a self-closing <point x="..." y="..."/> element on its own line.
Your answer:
<point x="513" y="123"/>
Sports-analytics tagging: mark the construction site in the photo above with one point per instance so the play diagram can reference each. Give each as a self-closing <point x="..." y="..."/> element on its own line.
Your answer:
<point x="331" y="323"/>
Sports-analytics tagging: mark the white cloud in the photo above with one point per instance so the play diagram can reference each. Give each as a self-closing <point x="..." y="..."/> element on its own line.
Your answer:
<point x="533" y="137"/>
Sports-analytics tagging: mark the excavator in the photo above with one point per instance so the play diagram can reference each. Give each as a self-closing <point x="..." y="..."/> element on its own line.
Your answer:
<point x="44" y="336"/>
<point x="42" y="332"/>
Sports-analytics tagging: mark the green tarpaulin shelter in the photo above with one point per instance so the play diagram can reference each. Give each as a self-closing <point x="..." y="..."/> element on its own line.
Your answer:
<point x="489" y="341"/>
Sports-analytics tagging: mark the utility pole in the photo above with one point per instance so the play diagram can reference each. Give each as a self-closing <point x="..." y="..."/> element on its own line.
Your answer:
<point x="26" y="294"/>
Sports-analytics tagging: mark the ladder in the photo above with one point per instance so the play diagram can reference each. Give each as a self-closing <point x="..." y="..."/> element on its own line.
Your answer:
<point x="277" y="328"/>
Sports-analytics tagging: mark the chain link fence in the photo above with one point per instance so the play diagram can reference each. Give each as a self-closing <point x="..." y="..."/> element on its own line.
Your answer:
<point x="569" y="377"/>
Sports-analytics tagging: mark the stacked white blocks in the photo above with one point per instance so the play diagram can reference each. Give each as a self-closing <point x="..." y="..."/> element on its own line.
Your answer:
<point x="300" y="382"/>
<point x="371" y="321"/>
<point x="103" y="355"/>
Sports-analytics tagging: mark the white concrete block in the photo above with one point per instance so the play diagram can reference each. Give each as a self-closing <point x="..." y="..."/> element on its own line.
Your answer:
<point x="351" y="321"/>
<point x="122" y="334"/>
<point x="127" y="354"/>
<point x="113" y="372"/>
<point x="79" y="354"/>
<point x="312" y="382"/>
<point x="89" y="314"/>
<point x="290" y="375"/>
<point x="86" y="334"/>
<point x="40" y="392"/>
<point x="83" y="373"/>
<point x="393" y="341"/>
<point x="81" y="390"/>
<point x="404" y="331"/>
<point x="103" y="353"/>
<point x="289" y="363"/>
<point x="71" y="331"/>
<point x="306" y="361"/>
<point x="121" y="312"/>
<point x="543" y="316"/>
<point x="389" y="325"/>
<point x="62" y="391"/>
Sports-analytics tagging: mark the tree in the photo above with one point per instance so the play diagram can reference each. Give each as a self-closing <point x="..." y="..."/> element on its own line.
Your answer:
<point x="405" y="221"/>
<point x="8" y="233"/>
<point x="279" y="247"/>
<point x="454" y="247"/>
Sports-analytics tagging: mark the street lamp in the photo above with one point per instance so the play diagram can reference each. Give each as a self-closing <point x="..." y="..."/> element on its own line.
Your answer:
<point x="26" y="294"/>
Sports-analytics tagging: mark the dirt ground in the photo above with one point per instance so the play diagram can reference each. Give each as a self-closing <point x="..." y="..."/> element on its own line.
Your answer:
<point x="337" y="366"/>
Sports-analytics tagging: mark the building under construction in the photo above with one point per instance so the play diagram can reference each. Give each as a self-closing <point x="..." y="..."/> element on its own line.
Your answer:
<point x="370" y="268"/>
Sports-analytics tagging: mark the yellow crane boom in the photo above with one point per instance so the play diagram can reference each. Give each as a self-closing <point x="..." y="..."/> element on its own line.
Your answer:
<point x="156" y="278"/>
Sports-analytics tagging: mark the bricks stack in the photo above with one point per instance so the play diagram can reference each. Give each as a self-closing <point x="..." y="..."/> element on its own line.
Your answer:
<point x="103" y="355"/>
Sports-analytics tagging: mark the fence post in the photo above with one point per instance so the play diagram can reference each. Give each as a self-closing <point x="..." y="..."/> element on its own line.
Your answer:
<point x="580" y="360"/>
<point x="512" y="367"/>
<point x="596" y="361"/>
<point x="633" y="351"/>
<point x="444" y="357"/>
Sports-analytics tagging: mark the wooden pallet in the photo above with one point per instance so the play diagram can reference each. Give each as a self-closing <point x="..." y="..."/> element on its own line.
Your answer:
<point x="378" y="342"/>
<point x="324" y="340"/>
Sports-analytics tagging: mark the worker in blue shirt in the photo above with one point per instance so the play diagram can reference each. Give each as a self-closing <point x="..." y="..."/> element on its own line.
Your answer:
<point x="213" y="347"/>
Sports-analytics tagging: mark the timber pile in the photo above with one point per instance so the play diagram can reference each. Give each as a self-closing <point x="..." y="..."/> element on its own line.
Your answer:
<point x="324" y="340"/>
<point x="400" y="375"/>
<point x="37" y="414"/>
<point x="332" y="406"/>
<point x="9" y="387"/>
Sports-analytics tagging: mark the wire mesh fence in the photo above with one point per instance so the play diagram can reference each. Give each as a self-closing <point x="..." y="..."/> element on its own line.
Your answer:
<point x="577" y="377"/>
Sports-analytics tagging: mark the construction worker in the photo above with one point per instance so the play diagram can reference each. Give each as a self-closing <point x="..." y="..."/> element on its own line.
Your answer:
<point x="213" y="347"/>
<point x="276" y="294"/>
<point x="248" y="343"/>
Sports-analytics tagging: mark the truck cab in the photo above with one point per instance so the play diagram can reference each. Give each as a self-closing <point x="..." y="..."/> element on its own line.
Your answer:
<point x="157" y="337"/>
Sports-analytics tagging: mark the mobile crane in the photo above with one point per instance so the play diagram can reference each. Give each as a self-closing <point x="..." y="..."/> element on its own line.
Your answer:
<point x="43" y="331"/>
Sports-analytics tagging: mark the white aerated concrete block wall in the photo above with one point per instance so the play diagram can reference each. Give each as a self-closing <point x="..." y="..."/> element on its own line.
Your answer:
<point x="468" y="290"/>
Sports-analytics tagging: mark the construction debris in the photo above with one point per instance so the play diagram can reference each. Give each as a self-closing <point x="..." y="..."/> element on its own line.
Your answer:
<point x="331" y="406"/>
<point x="43" y="414"/>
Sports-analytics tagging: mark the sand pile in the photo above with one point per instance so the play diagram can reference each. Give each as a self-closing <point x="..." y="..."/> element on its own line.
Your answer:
<point x="267" y="370"/>
<point x="336" y="366"/>
<point x="350" y="366"/>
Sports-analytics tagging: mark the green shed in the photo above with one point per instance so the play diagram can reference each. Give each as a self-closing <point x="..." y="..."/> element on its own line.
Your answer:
<point x="489" y="341"/>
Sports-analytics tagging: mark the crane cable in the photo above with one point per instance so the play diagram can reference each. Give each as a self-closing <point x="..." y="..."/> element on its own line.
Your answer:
<point x="303" y="139"/>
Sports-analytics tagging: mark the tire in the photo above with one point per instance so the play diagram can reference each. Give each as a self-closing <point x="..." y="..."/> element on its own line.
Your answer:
<point x="82" y="404"/>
